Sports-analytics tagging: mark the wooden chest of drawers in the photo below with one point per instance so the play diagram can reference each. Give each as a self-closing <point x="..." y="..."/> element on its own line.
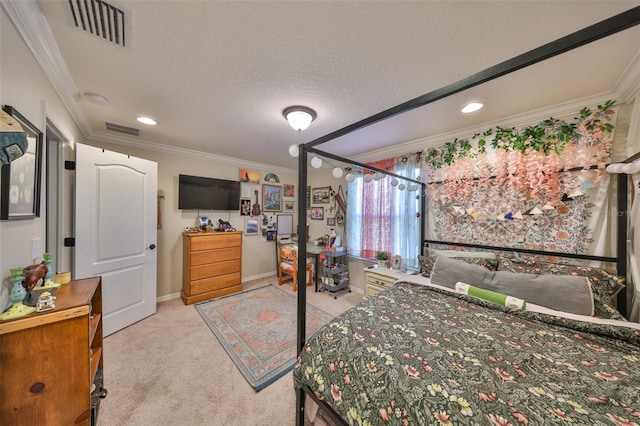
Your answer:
<point x="212" y="265"/>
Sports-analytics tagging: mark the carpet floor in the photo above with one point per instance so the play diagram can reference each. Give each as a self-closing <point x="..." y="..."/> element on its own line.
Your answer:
<point x="169" y="370"/>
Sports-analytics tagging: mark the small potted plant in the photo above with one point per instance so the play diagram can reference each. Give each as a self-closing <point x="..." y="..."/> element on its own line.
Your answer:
<point x="382" y="257"/>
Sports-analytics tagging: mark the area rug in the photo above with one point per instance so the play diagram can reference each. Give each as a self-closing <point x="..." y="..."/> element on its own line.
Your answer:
<point x="258" y="330"/>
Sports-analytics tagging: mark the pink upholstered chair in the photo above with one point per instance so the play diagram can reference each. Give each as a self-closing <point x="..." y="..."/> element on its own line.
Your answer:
<point x="288" y="265"/>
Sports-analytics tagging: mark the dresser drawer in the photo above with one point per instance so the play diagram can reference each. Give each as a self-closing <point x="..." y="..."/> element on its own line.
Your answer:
<point x="379" y="280"/>
<point x="213" y="270"/>
<point x="216" y="241"/>
<point x="372" y="290"/>
<point x="215" y="283"/>
<point x="214" y="256"/>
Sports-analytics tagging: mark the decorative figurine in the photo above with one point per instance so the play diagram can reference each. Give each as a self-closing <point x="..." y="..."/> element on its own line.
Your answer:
<point x="45" y="302"/>
<point x="32" y="274"/>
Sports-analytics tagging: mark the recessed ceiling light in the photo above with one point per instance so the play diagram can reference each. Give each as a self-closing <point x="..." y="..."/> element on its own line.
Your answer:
<point x="147" y="120"/>
<point x="96" y="98"/>
<point x="473" y="106"/>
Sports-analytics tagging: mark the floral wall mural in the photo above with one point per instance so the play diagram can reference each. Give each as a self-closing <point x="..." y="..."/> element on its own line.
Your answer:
<point x="540" y="187"/>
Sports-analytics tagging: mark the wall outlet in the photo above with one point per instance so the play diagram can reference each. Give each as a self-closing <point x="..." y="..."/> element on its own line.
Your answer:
<point x="36" y="248"/>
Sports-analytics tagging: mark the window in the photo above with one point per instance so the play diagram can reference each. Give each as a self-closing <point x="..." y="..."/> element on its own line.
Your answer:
<point x="381" y="216"/>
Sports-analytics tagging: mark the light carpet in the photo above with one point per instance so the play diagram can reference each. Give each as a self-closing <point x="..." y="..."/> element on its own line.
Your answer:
<point x="257" y="328"/>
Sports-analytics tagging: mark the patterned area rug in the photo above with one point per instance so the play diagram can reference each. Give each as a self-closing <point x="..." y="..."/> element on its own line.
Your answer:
<point x="258" y="330"/>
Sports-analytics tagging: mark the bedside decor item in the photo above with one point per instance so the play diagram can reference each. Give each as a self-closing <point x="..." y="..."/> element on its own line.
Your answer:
<point x="257" y="330"/>
<point x="48" y="261"/>
<point x="20" y="181"/>
<point x="382" y="257"/>
<point x="396" y="261"/>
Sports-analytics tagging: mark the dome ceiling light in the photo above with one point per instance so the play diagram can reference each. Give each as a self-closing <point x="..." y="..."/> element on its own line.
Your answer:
<point x="299" y="117"/>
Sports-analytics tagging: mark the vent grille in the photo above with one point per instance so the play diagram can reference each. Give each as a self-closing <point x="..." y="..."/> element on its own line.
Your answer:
<point x="99" y="18"/>
<point x="122" y="129"/>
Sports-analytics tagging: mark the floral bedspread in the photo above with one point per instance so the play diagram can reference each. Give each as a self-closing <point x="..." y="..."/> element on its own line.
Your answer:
<point x="415" y="355"/>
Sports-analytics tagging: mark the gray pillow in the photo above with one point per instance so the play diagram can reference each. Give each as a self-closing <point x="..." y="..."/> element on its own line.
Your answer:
<point x="559" y="292"/>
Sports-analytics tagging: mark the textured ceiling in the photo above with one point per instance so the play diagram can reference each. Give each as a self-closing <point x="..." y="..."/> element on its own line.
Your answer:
<point x="216" y="75"/>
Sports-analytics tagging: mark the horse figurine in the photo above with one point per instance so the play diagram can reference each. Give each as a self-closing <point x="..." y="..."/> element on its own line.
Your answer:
<point x="32" y="274"/>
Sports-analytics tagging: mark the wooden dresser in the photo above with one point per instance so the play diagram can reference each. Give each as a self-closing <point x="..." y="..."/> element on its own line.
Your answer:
<point x="51" y="360"/>
<point x="212" y="265"/>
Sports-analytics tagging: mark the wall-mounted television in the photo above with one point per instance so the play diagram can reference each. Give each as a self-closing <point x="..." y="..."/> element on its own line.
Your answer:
<point x="203" y="193"/>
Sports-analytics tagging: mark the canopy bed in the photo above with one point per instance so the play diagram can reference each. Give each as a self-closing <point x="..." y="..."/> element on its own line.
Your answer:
<point x="454" y="344"/>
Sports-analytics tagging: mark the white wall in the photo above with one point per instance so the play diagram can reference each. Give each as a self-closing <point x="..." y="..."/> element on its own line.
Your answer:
<point x="24" y="86"/>
<point x="258" y="255"/>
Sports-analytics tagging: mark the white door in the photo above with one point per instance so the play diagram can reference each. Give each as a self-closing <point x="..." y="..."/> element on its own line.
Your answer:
<point x="115" y="232"/>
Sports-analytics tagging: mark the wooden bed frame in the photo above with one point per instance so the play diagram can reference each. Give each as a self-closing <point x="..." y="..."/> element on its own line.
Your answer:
<point x="613" y="25"/>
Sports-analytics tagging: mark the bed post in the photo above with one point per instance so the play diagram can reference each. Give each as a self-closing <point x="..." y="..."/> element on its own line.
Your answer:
<point x="302" y="269"/>
<point x="621" y="240"/>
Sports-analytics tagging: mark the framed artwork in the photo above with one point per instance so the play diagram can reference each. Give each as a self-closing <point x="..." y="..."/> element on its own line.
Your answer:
<point x="251" y="226"/>
<point x="396" y="261"/>
<point x="289" y="206"/>
<point x="272" y="177"/>
<point x="20" y="179"/>
<point x="245" y="207"/>
<point x="308" y="197"/>
<point x="250" y="176"/>
<point x="289" y="190"/>
<point x="321" y="195"/>
<point x="271" y="198"/>
<point x="317" y="213"/>
<point x="331" y="221"/>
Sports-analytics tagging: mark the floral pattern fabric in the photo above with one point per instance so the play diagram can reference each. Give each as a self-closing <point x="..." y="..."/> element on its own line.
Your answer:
<point x="415" y="355"/>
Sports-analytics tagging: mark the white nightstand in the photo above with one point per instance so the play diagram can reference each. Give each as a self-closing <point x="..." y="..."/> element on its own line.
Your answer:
<point x="377" y="279"/>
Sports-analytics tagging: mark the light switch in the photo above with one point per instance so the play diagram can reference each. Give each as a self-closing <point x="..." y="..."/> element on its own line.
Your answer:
<point x="36" y="248"/>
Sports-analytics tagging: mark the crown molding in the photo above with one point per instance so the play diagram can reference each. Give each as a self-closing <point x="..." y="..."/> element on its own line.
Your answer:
<point x="183" y="152"/>
<point x="34" y="29"/>
<point x="518" y="120"/>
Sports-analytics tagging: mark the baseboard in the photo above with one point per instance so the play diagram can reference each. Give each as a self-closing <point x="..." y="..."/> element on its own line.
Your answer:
<point x="168" y="297"/>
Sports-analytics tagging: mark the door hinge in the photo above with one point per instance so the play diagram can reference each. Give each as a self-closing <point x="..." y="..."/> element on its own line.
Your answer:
<point x="70" y="242"/>
<point x="69" y="165"/>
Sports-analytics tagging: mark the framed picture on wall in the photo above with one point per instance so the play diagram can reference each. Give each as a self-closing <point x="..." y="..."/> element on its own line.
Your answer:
<point x="251" y="226"/>
<point x="289" y="206"/>
<point x="317" y="213"/>
<point x="271" y="198"/>
<point x="289" y="190"/>
<point x="321" y="195"/>
<point x="20" y="179"/>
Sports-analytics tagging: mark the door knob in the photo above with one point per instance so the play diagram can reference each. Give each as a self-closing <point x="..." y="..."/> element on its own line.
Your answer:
<point x="152" y="246"/>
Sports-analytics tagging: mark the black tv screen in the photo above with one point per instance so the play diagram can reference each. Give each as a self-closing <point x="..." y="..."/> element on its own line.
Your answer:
<point x="204" y="193"/>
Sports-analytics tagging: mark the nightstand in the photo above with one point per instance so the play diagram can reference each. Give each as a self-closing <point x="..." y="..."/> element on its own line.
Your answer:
<point x="377" y="279"/>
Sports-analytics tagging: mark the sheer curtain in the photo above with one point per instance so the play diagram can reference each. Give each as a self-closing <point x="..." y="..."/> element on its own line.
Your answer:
<point x="381" y="217"/>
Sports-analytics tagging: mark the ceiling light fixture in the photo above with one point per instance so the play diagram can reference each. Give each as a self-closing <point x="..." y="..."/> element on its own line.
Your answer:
<point x="299" y="117"/>
<point x="147" y="120"/>
<point x="294" y="151"/>
<point x="472" y="107"/>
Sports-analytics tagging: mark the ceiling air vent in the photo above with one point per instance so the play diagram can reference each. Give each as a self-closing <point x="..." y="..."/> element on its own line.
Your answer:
<point x="99" y="18"/>
<point x="122" y="129"/>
